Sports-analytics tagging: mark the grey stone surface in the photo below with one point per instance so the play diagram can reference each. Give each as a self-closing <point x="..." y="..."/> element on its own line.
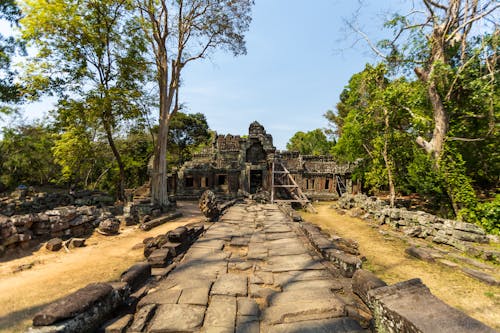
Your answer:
<point x="73" y="304"/>
<point x="247" y="307"/>
<point x="248" y="327"/>
<point x="337" y="325"/>
<point x="299" y="310"/>
<point x="142" y="317"/>
<point x="119" y="325"/>
<point x="413" y="308"/>
<point x="160" y="296"/>
<point x="230" y="285"/>
<point x="177" y="318"/>
<point x="292" y="263"/>
<point x="221" y="312"/>
<point x="195" y="296"/>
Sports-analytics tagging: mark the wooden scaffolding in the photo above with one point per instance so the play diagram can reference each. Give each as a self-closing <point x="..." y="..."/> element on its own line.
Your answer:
<point x="281" y="179"/>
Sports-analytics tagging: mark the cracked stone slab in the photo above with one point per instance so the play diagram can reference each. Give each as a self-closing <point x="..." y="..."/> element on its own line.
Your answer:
<point x="258" y="291"/>
<point x="292" y="276"/>
<point x="280" y="235"/>
<point x="230" y="285"/>
<point x="257" y="252"/>
<point x="160" y="296"/>
<point x="195" y="296"/>
<point x="278" y="228"/>
<point x="259" y="277"/>
<point x="312" y="284"/>
<point x="292" y="263"/>
<point x="247" y="307"/>
<point x="216" y="244"/>
<point x="337" y="325"/>
<point x="304" y="310"/>
<point x="302" y="295"/>
<point x="180" y="280"/>
<point x="221" y="312"/>
<point x="177" y="318"/>
<point x="142" y="317"/>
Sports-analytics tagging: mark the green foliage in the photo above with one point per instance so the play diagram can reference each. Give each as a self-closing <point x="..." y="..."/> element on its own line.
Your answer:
<point x="313" y="142"/>
<point x="73" y="152"/>
<point x="187" y="133"/>
<point x="457" y="183"/>
<point x="9" y="91"/>
<point x="25" y="155"/>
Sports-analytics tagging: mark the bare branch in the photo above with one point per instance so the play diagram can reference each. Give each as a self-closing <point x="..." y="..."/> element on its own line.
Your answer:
<point x="367" y="39"/>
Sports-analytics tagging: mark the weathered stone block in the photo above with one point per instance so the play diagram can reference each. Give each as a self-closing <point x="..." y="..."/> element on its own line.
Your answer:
<point x="363" y="281"/>
<point x="136" y="275"/>
<point x="410" y="307"/>
<point x="54" y="244"/>
<point x="73" y="304"/>
<point x="109" y="226"/>
<point x="160" y="258"/>
<point x="347" y="263"/>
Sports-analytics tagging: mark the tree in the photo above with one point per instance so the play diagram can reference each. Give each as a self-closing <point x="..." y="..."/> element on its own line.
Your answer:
<point x="187" y="132"/>
<point x="8" y="45"/>
<point x="313" y="142"/>
<point x="24" y="156"/>
<point x="90" y="53"/>
<point x="180" y="32"/>
<point x="374" y="125"/>
<point x="450" y="45"/>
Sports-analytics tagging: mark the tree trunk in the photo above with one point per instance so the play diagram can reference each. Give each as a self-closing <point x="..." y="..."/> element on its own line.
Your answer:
<point x="121" y="167"/>
<point x="159" y="191"/>
<point x="388" y="161"/>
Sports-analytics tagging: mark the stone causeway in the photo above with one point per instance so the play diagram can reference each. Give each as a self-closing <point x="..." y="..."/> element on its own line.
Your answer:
<point x="252" y="271"/>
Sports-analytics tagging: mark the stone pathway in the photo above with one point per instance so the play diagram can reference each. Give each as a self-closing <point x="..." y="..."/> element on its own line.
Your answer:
<point x="253" y="271"/>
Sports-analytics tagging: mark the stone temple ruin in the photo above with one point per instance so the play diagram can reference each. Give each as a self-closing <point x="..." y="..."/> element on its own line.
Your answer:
<point x="234" y="165"/>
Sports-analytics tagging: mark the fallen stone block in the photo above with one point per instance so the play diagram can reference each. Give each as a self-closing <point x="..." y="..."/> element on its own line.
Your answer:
<point x="148" y="225"/>
<point x="142" y="318"/>
<point x="178" y="235"/>
<point x="160" y="258"/>
<point x="54" y="244"/>
<point x="420" y="253"/>
<point x="481" y="276"/>
<point x="410" y="307"/>
<point x="363" y="281"/>
<point x="136" y="275"/>
<point x="109" y="227"/>
<point x="75" y="242"/>
<point x="347" y="263"/>
<point x="118" y="325"/>
<point x="82" y="311"/>
<point x="175" y="248"/>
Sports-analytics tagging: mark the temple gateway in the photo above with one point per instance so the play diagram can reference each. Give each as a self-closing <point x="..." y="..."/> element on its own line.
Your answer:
<point x="234" y="165"/>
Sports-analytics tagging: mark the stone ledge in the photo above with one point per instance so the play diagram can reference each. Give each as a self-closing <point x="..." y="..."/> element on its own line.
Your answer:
<point x="409" y="307"/>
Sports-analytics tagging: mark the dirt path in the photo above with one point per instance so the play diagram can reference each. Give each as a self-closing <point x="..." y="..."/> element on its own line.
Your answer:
<point x="386" y="258"/>
<point x="56" y="274"/>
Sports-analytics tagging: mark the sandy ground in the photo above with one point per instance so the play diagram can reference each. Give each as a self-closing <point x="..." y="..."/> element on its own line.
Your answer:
<point x="56" y="274"/>
<point x="386" y="258"/>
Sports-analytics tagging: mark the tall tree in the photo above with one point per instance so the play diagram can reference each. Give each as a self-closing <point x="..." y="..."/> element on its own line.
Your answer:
<point x="90" y="52"/>
<point x="450" y="45"/>
<point x="8" y="45"/>
<point x="180" y="32"/>
<point x="313" y="142"/>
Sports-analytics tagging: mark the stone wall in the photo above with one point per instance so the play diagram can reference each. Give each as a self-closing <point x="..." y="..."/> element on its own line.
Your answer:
<point x="23" y="231"/>
<point x="417" y="223"/>
<point x="410" y="307"/>
<point x="24" y="201"/>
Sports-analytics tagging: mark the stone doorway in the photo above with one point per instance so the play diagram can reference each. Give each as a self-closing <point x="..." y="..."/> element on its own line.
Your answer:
<point x="255" y="180"/>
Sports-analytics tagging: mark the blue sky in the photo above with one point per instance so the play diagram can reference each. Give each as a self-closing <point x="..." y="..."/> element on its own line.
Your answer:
<point x="297" y="64"/>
